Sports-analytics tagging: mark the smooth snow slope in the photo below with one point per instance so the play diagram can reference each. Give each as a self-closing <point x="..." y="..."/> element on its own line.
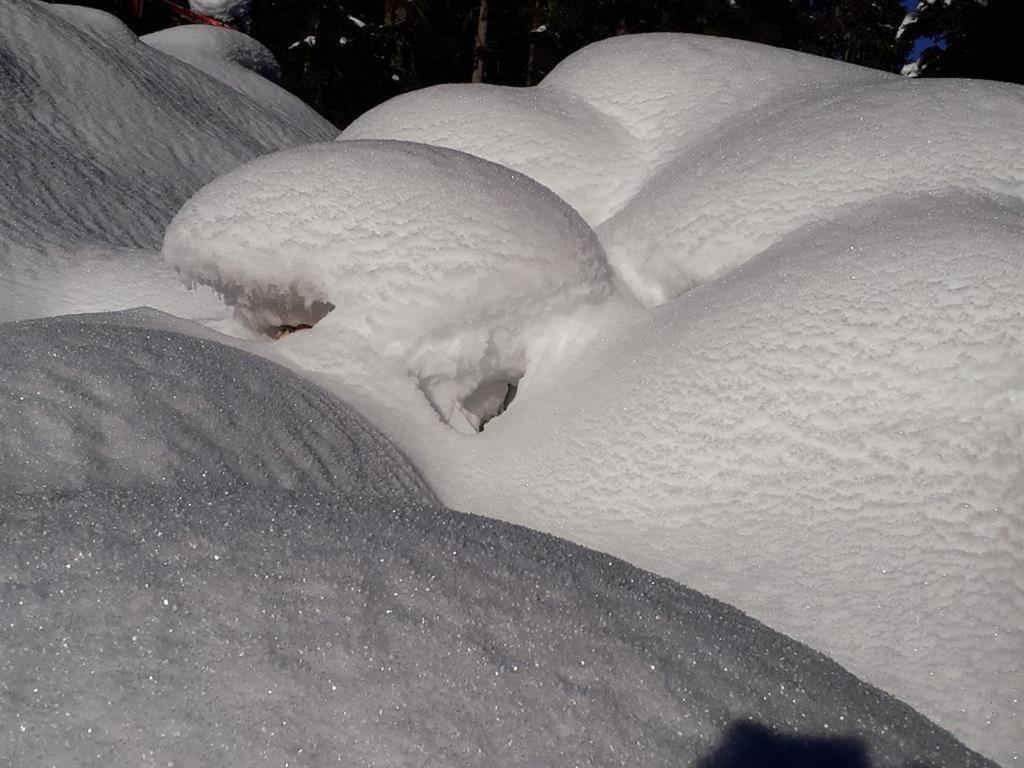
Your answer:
<point x="829" y="439"/>
<point x="123" y="399"/>
<point x="435" y="263"/>
<point x="104" y="138"/>
<point x="238" y="61"/>
<point x="162" y="628"/>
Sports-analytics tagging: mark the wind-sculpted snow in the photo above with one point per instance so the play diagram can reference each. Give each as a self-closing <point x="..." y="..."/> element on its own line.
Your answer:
<point x="104" y="138"/>
<point x="717" y="206"/>
<point x="829" y="439"/>
<point x="287" y="629"/>
<point x="596" y="128"/>
<point x="690" y="154"/>
<point x="563" y="143"/>
<point x="433" y="261"/>
<point x="111" y="400"/>
<point x="240" y="62"/>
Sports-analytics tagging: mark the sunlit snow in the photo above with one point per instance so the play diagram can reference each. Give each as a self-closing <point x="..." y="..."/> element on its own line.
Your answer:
<point x="749" y="319"/>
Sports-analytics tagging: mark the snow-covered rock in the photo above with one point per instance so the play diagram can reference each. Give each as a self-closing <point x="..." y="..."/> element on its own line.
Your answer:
<point x="597" y="127"/>
<point x="239" y="62"/>
<point x="828" y="438"/>
<point x="563" y="143"/>
<point x="125" y="399"/>
<point x="103" y="140"/>
<point x="278" y="628"/>
<point x="691" y="154"/>
<point x="437" y="263"/>
<point x="235" y="12"/>
<point x="765" y="176"/>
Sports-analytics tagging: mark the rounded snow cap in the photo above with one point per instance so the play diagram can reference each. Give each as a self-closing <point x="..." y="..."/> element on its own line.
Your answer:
<point x="426" y="256"/>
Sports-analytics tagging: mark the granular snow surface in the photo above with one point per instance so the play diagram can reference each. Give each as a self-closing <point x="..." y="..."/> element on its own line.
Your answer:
<point x="126" y="399"/>
<point x="598" y="126"/>
<point x="165" y="628"/>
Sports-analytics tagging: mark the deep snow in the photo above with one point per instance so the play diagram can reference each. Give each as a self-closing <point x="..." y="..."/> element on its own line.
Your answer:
<point x="411" y="261"/>
<point x="827" y="435"/>
<point x="240" y="62"/>
<point x="737" y="438"/>
<point x="607" y="117"/>
<point x="158" y="627"/>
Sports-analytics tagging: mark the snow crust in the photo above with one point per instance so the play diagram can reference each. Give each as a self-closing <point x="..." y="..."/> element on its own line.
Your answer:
<point x="125" y="399"/>
<point x="104" y="139"/>
<point x="156" y="626"/>
<point x="414" y="260"/>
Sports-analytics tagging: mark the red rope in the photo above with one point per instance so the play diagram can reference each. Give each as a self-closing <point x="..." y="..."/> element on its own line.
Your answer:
<point x="181" y="14"/>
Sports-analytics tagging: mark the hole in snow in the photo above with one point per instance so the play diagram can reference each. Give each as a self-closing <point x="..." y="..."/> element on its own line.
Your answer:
<point x="489" y="400"/>
<point x="275" y="313"/>
<point x="471" y="413"/>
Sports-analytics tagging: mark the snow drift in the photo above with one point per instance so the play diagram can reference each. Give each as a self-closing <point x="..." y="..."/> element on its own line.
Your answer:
<point x="244" y="629"/>
<point x="104" y="139"/>
<point x="690" y="155"/>
<point x="828" y="437"/>
<point x="435" y="262"/>
<point x="709" y="211"/>
<point x="125" y="399"/>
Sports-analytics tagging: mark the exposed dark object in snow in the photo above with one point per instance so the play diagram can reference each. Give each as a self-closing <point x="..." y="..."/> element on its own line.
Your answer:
<point x="280" y="331"/>
<point x="746" y="744"/>
<point x="491" y="399"/>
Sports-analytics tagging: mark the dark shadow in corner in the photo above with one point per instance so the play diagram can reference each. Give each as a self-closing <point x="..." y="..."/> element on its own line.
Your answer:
<point x="746" y="744"/>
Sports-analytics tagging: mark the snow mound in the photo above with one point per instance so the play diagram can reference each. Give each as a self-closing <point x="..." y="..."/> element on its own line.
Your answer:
<point x="827" y="438"/>
<point x="104" y="139"/>
<point x="238" y="61"/>
<point x="597" y="127"/>
<point x="283" y="628"/>
<point x="432" y="260"/>
<point x="675" y="92"/>
<point x="767" y="175"/>
<point x="691" y="154"/>
<point x="563" y="143"/>
<point x="121" y="399"/>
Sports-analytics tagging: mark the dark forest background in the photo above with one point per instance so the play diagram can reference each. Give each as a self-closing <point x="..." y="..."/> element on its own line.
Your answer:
<point x="344" y="56"/>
